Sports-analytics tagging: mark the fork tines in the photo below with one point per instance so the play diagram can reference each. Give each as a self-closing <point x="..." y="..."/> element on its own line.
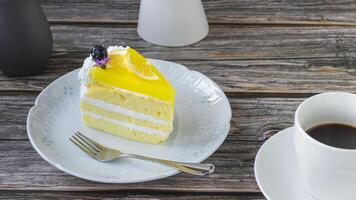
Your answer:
<point x="86" y="144"/>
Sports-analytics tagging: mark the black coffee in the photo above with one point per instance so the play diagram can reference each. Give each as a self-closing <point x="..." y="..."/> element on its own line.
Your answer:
<point x="336" y="135"/>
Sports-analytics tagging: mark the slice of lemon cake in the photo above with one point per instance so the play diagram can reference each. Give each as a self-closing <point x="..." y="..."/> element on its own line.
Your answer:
<point x="124" y="94"/>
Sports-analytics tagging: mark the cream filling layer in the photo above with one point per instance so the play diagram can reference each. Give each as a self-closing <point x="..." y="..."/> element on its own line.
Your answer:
<point x="121" y="110"/>
<point x="128" y="125"/>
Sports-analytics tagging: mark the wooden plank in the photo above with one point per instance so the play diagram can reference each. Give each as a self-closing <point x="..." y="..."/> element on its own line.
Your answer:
<point x="222" y="43"/>
<point x="218" y="11"/>
<point x="8" y="195"/>
<point x="248" y="116"/>
<point x="13" y="115"/>
<point x="240" y="59"/>
<point x="22" y="169"/>
<point x="289" y="76"/>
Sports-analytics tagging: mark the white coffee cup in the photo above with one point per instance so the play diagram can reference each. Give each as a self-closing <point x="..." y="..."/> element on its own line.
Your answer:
<point x="328" y="173"/>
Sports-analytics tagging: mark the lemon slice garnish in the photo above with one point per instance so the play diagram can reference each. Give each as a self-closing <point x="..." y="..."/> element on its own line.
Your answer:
<point x="138" y="65"/>
<point x="133" y="61"/>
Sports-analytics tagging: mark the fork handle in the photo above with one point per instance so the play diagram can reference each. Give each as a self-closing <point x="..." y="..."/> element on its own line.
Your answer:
<point x="200" y="169"/>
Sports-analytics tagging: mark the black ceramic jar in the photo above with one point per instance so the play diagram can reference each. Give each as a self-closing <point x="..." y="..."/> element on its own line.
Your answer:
<point x="25" y="37"/>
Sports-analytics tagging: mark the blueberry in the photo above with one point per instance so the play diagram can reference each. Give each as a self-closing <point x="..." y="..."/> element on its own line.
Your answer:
<point x="99" y="52"/>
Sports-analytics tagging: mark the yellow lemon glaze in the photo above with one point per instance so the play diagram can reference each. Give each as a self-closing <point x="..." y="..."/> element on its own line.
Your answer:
<point x="128" y="70"/>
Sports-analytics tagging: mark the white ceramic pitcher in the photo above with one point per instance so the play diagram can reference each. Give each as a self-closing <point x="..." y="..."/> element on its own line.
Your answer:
<point x="172" y="22"/>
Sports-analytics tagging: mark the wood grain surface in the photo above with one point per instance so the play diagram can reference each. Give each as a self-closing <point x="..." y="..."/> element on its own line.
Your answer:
<point x="304" y="12"/>
<point x="268" y="56"/>
<point x="8" y="195"/>
<point x="240" y="59"/>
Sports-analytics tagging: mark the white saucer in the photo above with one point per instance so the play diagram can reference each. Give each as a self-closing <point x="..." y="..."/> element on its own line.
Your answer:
<point x="202" y="122"/>
<point x="276" y="169"/>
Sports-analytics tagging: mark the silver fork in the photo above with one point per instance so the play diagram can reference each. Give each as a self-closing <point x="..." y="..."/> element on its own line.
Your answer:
<point x="104" y="154"/>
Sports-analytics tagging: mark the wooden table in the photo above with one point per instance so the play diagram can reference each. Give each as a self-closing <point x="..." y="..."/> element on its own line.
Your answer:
<point x="267" y="56"/>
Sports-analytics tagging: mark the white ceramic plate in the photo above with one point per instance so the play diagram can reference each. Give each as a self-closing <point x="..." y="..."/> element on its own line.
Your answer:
<point x="276" y="169"/>
<point x="202" y="122"/>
